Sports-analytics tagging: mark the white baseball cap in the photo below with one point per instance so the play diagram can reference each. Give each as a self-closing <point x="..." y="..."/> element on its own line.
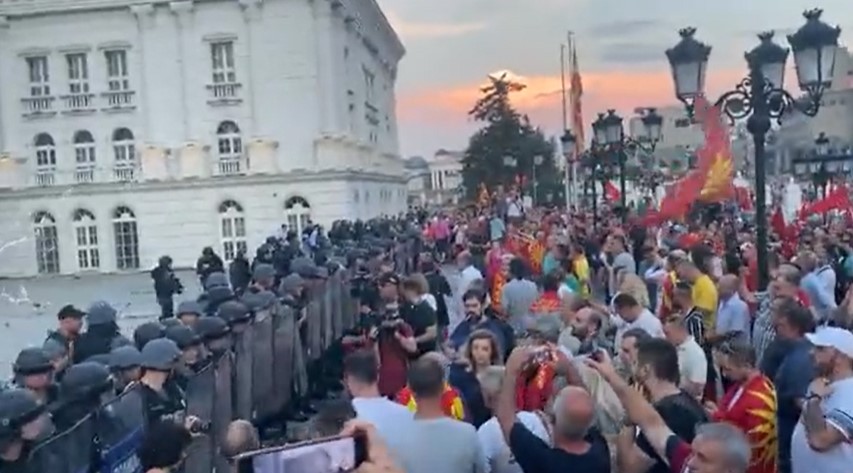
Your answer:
<point x="834" y="337"/>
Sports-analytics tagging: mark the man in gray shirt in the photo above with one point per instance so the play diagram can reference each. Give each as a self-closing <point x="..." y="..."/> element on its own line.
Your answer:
<point x="518" y="295"/>
<point x="437" y="443"/>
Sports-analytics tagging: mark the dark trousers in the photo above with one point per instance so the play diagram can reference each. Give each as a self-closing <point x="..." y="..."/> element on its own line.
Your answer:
<point x="167" y="307"/>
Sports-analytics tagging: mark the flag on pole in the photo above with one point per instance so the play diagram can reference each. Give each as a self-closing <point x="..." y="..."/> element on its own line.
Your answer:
<point x="575" y="94"/>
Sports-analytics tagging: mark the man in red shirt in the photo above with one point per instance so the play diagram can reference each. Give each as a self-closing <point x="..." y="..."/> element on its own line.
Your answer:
<point x="717" y="448"/>
<point x="394" y="339"/>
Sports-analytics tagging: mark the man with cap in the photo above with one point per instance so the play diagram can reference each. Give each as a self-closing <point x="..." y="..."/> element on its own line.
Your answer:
<point x="70" y="324"/>
<point x="159" y="358"/>
<point x="22" y="421"/>
<point x="822" y="439"/>
<point x="34" y="372"/>
<point x="102" y="334"/>
<point x="124" y="363"/>
<point x="188" y="312"/>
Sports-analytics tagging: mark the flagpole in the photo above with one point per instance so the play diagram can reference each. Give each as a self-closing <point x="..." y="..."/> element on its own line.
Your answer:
<point x="566" y="170"/>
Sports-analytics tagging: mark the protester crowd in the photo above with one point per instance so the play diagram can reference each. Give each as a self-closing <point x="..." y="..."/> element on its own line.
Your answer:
<point x="568" y="342"/>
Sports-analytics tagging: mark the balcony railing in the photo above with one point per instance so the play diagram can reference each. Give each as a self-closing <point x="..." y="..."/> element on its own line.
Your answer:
<point x="37" y="105"/>
<point x="125" y="173"/>
<point x="46" y="177"/>
<point x="230" y="167"/>
<point x="118" y="99"/>
<point x="84" y="175"/>
<point x="78" y="102"/>
<point x="224" y="93"/>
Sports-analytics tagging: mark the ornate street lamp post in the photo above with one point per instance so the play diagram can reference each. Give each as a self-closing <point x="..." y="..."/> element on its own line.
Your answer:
<point x="568" y="142"/>
<point x="760" y="97"/>
<point x="610" y="138"/>
<point x="823" y="164"/>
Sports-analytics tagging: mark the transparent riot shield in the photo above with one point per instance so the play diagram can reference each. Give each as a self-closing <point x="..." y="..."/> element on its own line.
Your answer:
<point x="120" y="425"/>
<point x="283" y="348"/>
<point x="223" y="403"/>
<point x="263" y="368"/>
<point x="70" y="451"/>
<point x="244" y="352"/>
<point x="200" y="395"/>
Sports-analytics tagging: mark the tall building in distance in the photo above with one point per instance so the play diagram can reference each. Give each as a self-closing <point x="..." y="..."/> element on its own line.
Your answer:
<point x="131" y="129"/>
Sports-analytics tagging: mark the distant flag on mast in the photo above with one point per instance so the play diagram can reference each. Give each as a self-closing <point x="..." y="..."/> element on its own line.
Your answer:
<point x="575" y="94"/>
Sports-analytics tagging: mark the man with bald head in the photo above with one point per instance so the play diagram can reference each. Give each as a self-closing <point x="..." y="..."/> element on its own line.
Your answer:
<point x="733" y="318"/>
<point x="574" y="446"/>
<point x="240" y="437"/>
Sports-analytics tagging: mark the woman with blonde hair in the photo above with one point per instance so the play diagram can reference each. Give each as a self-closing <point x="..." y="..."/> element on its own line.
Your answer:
<point x="480" y="351"/>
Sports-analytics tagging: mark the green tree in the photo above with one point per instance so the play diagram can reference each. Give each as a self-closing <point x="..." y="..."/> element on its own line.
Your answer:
<point x="506" y="133"/>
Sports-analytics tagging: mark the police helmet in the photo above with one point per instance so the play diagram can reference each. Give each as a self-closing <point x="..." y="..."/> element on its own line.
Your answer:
<point x="18" y="407"/>
<point x="125" y="358"/>
<point x="147" y="332"/>
<point x="33" y="360"/>
<point x="160" y="354"/>
<point x="183" y="336"/>
<point x="85" y="380"/>
<point x="234" y="312"/>
<point x="217" y="279"/>
<point x="211" y="328"/>
<point x="190" y="307"/>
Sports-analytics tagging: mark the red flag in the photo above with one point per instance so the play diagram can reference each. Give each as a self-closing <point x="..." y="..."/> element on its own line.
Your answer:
<point x="611" y="193"/>
<point x="575" y="94"/>
<point x="777" y="222"/>
<point x="838" y="199"/>
<point x="752" y="407"/>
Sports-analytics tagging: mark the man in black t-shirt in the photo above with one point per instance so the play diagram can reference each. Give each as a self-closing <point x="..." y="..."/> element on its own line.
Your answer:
<point x="419" y="315"/>
<point x="657" y="370"/>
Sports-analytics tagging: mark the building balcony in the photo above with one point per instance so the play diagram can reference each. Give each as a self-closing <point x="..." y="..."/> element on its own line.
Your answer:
<point x="38" y="106"/>
<point x="224" y="93"/>
<point x="45" y="177"/>
<point x="231" y="166"/>
<point x="118" y="100"/>
<point x="78" y="103"/>
<point x="126" y="173"/>
<point x="84" y="175"/>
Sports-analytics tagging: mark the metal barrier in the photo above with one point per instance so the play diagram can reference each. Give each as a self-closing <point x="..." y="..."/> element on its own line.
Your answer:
<point x="255" y="380"/>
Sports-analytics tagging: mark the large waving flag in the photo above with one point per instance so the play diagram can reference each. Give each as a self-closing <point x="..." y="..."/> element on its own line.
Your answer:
<point x="752" y="407"/>
<point x="575" y="94"/>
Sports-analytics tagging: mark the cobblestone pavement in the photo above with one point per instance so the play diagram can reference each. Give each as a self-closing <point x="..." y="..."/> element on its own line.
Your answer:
<point x="28" y="307"/>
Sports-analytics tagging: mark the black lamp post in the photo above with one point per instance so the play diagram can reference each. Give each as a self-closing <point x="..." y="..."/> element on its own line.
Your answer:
<point x="591" y="173"/>
<point x="610" y="139"/>
<point x="823" y="164"/>
<point x="568" y="143"/>
<point x="760" y="96"/>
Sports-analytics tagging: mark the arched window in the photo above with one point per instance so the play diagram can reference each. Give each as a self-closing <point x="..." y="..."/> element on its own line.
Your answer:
<point x="124" y="147"/>
<point x="126" y="239"/>
<point x="45" y="151"/>
<point x="233" y="229"/>
<point x="47" y="243"/>
<point x="86" y="234"/>
<point x="298" y="213"/>
<point x="230" y="147"/>
<point x="84" y="148"/>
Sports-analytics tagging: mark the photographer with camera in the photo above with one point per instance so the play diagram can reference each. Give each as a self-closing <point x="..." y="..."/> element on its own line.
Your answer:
<point x="394" y="338"/>
<point x="166" y="285"/>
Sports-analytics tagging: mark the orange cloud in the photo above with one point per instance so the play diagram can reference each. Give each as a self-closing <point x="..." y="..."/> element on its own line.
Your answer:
<point x="541" y="97"/>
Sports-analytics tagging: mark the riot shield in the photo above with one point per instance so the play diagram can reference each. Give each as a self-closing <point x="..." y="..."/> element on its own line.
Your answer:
<point x="223" y="403"/>
<point x="263" y="381"/>
<point x="67" y="452"/>
<point x="200" y="396"/>
<point x="120" y="425"/>
<point x="283" y="348"/>
<point x="326" y="308"/>
<point x="244" y="351"/>
<point x="314" y="331"/>
<point x="337" y="307"/>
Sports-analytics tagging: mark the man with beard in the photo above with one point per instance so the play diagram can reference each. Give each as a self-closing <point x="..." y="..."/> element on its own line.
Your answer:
<point x="70" y="325"/>
<point x="657" y="370"/>
<point x="581" y="334"/>
<point x="822" y="439"/>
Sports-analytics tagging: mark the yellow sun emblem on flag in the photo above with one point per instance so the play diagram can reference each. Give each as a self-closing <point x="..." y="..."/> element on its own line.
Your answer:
<point x="763" y="436"/>
<point x="719" y="176"/>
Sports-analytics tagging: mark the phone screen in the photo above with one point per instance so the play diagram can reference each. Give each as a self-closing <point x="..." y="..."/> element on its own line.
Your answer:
<point x="333" y="455"/>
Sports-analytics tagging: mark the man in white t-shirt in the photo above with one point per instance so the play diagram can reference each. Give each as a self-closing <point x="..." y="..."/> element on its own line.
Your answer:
<point x="499" y="459"/>
<point x="692" y="362"/>
<point x="393" y="421"/>
<point x="630" y="314"/>
<point x="823" y="439"/>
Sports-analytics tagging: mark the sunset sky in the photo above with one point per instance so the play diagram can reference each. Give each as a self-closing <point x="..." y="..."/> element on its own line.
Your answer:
<point x="452" y="45"/>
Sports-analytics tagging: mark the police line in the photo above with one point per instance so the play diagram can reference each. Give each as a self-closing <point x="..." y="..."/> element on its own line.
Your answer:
<point x="267" y="366"/>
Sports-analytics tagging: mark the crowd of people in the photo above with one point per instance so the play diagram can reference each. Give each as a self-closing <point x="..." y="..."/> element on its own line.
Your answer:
<point x="567" y="342"/>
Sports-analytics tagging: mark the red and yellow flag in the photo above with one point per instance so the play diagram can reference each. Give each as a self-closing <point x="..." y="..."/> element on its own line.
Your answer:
<point x="451" y="401"/>
<point x="533" y="392"/>
<point x="752" y="407"/>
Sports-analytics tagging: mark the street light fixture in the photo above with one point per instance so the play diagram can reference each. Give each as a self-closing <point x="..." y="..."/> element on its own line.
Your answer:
<point x="568" y="141"/>
<point x="822" y="165"/>
<point x="760" y="96"/>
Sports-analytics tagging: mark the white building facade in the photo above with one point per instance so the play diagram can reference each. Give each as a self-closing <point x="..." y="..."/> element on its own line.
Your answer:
<point x="133" y="130"/>
<point x="445" y="169"/>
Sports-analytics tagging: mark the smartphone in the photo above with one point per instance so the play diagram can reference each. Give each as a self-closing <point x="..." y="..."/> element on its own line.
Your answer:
<point x="326" y="455"/>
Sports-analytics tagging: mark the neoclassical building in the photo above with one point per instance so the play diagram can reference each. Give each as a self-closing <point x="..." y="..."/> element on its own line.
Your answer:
<point x="131" y="130"/>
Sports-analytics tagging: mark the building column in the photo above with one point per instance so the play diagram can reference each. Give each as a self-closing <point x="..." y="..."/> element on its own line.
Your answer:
<point x="144" y="14"/>
<point x="182" y="10"/>
<point x="252" y="16"/>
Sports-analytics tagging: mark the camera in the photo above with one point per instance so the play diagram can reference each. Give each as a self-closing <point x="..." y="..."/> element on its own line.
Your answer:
<point x="200" y="427"/>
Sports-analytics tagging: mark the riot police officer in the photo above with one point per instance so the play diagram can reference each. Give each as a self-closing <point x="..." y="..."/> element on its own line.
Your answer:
<point x="34" y="372"/>
<point x="22" y="421"/>
<point x="124" y="363"/>
<point x="159" y="358"/>
<point x="236" y="314"/>
<point x="102" y="334"/>
<point x="189" y="312"/>
<point x="83" y="389"/>
<point x="191" y="350"/>
<point x="214" y="333"/>
<point x="147" y="332"/>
